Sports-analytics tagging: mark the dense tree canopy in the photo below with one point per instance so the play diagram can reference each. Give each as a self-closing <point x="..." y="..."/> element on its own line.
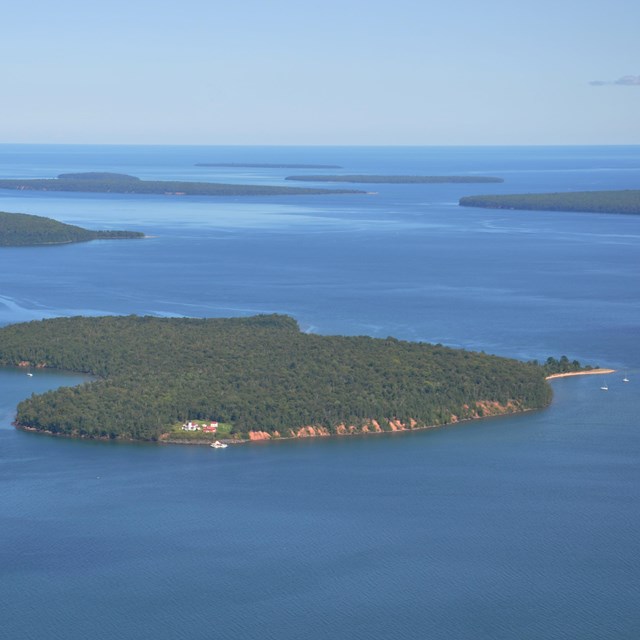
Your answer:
<point x="554" y="366"/>
<point x="627" y="201"/>
<point x="258" y="373"/>
<point x="20" y="229"/>
<point x="121" y="183"/>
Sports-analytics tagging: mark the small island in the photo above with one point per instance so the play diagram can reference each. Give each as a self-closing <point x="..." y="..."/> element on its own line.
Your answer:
<point x="21" y="229"/>
<point x="373" y="179"/>
<point x="255" y="378"/>
<point x="104" y="182"/>
<point x="266" y="165"/>
<point x="625" y="201"/>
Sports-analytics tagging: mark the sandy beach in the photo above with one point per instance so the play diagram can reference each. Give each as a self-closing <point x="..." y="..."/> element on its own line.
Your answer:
<point x="587" y="372"/>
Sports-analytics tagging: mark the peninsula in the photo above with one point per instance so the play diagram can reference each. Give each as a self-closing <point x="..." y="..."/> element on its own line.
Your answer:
<point x="101" y="182"/>
<point x="373" y="179"/>
<point x="260" y="377"/>
<point x="21" y="229"/>
<point x="626" y="201"/>
<point x="564" y="368"/>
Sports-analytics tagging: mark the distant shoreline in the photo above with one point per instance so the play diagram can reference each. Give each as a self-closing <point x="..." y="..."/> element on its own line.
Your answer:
<point x="26" y="230"/>
<point x="267" y="165"/>
<point x="396" y="179"/>
<point x="588" y="372"/>
<point x="623" y="201"/>
<point x="116" y="183"/>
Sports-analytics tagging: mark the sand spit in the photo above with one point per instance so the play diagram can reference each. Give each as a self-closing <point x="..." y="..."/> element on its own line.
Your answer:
<point x="587" y="372"/>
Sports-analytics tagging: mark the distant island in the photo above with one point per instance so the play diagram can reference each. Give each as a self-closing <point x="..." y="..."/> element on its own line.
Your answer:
<point x="21" y="229"/>
<point x="373" y="179"/>
<point x="627" y="201"/>
<point x="265" y="165"/>
<point x="92" y="176"/>
<point x="103" y="182"/>
<point x="258" y="378"/>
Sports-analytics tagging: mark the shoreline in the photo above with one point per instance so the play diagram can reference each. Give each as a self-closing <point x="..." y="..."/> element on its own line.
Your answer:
<point x="587" y="372"/>
<point x="392" y="432"/>
<point x="240" y="441"/>
<point x="319" y="432"/>
<point x="494" y="410"/>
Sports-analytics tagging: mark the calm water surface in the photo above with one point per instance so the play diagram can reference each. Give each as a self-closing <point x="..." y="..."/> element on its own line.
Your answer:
<point x="522" y="527"/>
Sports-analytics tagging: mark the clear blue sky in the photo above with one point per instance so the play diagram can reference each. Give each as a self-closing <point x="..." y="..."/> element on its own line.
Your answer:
<point x="329" y="72"/>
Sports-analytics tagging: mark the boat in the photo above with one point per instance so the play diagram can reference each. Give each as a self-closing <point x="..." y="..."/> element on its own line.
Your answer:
<point x="605" y="388"/>
<point x="625" y="379"/>
<point x="219" y="445"/>
<point x="30" y="375"/>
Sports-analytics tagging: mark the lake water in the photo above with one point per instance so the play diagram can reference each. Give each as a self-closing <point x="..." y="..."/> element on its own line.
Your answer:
<point x="522" y="527"/>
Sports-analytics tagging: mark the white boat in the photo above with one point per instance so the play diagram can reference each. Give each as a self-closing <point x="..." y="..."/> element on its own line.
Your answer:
<point x="30" y="375"/>
<point x="219" y="445"/>
<point x="625" y="379"/>
<point x="605" y="388"/>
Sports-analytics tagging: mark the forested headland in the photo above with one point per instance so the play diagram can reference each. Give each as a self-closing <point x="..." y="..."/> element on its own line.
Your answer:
<point x="260" y="375"/>
<point x="373" y="179"/>
<point x="626" y="201"/>
<point x="101" y="182"/>
<point x="553" y="366"/>
<point x="21" y="229"/>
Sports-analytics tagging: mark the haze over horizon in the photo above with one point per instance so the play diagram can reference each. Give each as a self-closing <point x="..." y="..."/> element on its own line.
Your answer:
<point x="290" y="73"/>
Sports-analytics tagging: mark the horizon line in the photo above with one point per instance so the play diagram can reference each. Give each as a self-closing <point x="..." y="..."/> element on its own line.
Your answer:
<point x="319" y="145"/>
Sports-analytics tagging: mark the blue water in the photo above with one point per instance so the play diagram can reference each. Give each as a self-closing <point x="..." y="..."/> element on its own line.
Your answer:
<point x="522" y="527"/>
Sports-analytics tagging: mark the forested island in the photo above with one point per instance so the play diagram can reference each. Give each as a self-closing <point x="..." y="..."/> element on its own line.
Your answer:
<point x="266" y="165"/>
<point x="21" y="229"/>
<point x="396" y="179"/>
<point x="626" y="201"/>
<point x="103" y="182"/>
<point x="261" y="376"/>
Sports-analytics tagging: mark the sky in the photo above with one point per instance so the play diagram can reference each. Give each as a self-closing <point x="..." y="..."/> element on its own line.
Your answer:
<point x="349" y="72"/>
